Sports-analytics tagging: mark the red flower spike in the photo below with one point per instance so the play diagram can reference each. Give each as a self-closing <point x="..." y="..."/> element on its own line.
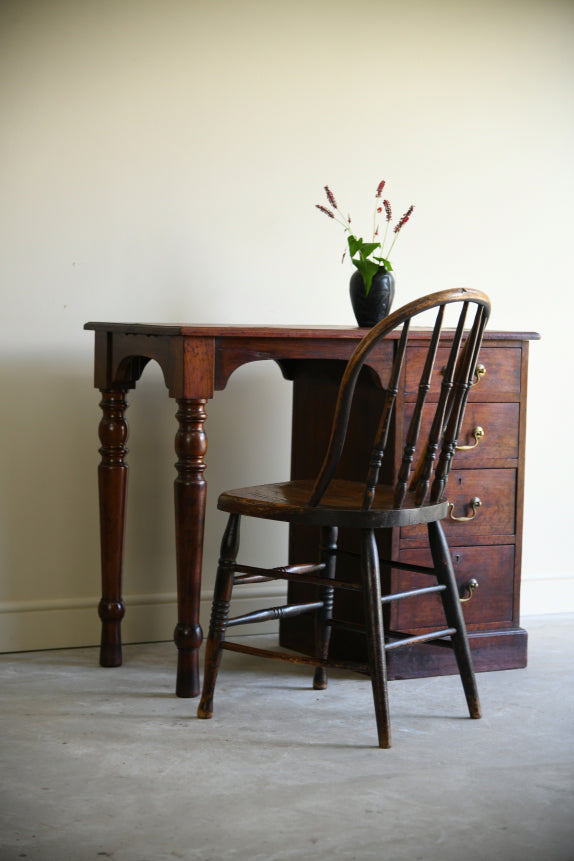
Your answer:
<point x="331" y="197"/>
<point x="404" y="219"/>
<point x="325" y="210"/>
<point x="379" y="208"/>
<point x="387" y="206"/>
<point x="380" y="187"/>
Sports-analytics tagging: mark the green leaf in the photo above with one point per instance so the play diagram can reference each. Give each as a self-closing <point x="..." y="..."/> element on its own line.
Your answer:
<point x="354" y="244"/>
<point x="358" y="246"/>
<point x="384" y="263"/>
<point x="368" y="270"/>
<point x="367" y="248"/>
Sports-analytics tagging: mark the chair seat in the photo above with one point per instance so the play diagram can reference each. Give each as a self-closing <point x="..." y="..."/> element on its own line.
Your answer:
<point x="340" y="506"/>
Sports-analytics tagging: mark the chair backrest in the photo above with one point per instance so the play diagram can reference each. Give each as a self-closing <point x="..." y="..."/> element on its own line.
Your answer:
<point x="463" y="343"/>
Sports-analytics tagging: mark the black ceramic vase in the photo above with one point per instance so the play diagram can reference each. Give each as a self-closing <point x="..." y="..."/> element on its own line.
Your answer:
<point x="370" y="309"/>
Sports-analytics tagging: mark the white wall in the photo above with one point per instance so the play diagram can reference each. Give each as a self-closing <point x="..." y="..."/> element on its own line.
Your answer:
<point x="160" y="162"/>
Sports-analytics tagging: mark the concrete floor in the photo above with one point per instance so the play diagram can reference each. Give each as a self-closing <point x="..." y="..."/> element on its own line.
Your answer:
<point x="109" y="764"/>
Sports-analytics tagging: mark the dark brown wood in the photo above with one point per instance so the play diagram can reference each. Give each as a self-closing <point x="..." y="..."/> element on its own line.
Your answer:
<point x="190" y="494"/>
<point x="197" y="360"/>
<point x="375" y="635"/>
<point x="454" y="616"/>
<point x="341" y="505"/>
<point x="323" y="618"/>
<point x="289" y="658"/>
<point x="501" y="381"/>
<point x="288" y="611"/>
<point x="112" y="480"/>
<point x="219" y="613"/>
<point x="497" y="403"/>
<point x="498" y="446"/>
<point x="491" y="606"/>
<point x="496" y="489"/>
<point x="415" y="498"/>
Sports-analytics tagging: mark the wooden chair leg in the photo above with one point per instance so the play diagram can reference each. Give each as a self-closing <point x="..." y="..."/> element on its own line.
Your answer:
<point x="454" y="616"/>
<point x="375" y="634"/>
<point x="219" y="613"/>
<point x="322" y="627"/>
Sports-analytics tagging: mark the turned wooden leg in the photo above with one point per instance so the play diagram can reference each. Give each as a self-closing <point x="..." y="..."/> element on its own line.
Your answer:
<point x="375" y="634"/>
<point x="190" y="490"/>
<point x="324" y="616"/>
<point x="219" y="613"/>
<point x="453" y="612"/>
<point x="112" y="482"/>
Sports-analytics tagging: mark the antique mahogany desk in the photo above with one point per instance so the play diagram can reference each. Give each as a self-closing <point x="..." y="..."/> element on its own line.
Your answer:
<point x="486" y="484"/>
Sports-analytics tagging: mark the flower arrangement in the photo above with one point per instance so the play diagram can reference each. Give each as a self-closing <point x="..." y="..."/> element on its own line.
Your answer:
<point x="368" y="257"/>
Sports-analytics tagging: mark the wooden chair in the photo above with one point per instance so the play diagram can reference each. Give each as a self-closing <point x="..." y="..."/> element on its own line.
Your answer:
<point x="418" y="496"/>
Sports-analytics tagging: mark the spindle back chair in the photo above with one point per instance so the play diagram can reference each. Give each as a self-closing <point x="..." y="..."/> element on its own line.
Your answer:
<point x="416" y="496"/>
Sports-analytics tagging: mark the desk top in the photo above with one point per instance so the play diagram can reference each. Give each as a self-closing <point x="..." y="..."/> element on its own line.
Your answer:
<point x="295" y="332"/>
<point x="198" y="360"/>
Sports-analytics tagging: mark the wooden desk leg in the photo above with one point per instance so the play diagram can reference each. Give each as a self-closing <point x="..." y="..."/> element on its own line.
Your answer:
<point x="112" y="481"/>
<point x="190" y="490"/>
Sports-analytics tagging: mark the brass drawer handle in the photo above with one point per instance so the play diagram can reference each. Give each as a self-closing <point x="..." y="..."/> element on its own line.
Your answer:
<point x="475" y="504"/>
<point x="470" y="588"/>
<point x="478" y="434"/>
<point x="479" y="373"/>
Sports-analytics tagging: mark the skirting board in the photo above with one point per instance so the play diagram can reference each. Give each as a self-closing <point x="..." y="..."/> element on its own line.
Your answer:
<point x="547" y="593"/>
<point x="36" y="625"/>
<point x="59" y="624"/>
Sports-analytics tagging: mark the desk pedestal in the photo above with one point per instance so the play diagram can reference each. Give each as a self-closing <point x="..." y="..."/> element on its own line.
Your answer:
<point x="488" y="551"/>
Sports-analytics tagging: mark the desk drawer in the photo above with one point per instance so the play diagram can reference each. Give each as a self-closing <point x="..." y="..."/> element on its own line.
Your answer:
<point x="496" y="489"/>
<point x="502" y="377"/>
<point x="498" y="421"/>
<point x="492" y="602"/>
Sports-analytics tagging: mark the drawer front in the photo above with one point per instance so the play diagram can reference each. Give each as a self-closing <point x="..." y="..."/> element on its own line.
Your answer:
<point x="496" y="489"/>
<point x="502" y="377"/>
<point x="492" y="602"/>
<point x="499" y="423"/>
